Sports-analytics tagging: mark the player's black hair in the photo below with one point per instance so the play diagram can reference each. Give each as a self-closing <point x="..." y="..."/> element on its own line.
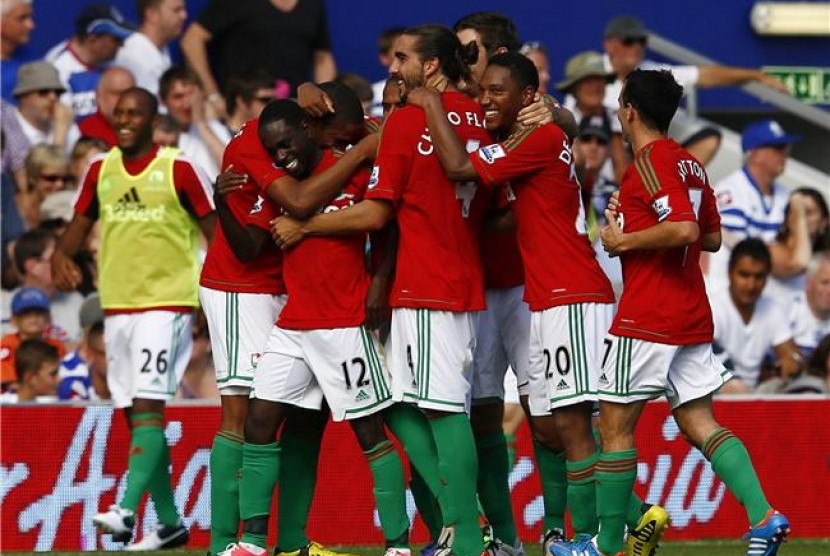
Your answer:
<point x="437" y="41"/>
<point x="753" y="248"/>
<point x="31" y="354"/>
<point x="521" y="68"/>
<point x="280" y="110"/>
<point x="347" y="107"/>
<point x="655" y="95"/>
<point x="149" y="98"/>
<point x="246" y="85"/>
<point x="496" y="30"/>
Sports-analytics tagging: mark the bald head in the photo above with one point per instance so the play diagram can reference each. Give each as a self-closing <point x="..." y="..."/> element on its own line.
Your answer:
<point x="113" y="82"/>
<point x="16" y="25"/>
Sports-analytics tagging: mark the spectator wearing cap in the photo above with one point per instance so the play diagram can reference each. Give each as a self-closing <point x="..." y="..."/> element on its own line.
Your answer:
<point x="145" y="53"/>
<point x="83" y="373"/>
<point x="31" y="318"/>
<point x="16" y="26"/>
<point x="584" y="89"/>
<point x="750" y="202"/>
<point x="101" y="125"/>
<point x="31" y="258"/>
<point x="625" y="41"/>
<point x="38" y="117"/>
<point x="100" y="30"/>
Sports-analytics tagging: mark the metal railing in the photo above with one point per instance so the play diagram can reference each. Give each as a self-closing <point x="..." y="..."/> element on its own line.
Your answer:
<point x="785" y="102"/>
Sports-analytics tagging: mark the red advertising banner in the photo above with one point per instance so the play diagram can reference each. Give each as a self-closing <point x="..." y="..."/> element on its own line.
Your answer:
<point x="63" y="464"/>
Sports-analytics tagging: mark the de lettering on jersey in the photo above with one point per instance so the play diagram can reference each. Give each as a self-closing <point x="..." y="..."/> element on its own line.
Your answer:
<point x="661" y="207"/>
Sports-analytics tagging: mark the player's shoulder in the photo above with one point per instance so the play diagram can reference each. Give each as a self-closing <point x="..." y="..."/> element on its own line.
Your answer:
<point x="534" y="134"/>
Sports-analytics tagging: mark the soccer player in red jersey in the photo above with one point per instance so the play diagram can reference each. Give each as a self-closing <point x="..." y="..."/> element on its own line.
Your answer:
<point x="438" y="282"/>
<point x="660" y="341"/>
<point x="151" y="204"/>
<point x="319" y="347"/>
<point x="569" y="296"/>
<point x="243" y="293"/>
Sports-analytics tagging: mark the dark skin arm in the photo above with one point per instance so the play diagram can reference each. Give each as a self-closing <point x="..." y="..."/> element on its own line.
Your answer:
<point x="65" y="273"/>
<point x="711" y="242"/>
<point x="377" y="296"/>
<point x="245" y="241"/>
<point x="302" y="198"/>
<point x="451" y="152"/>
<point x="366" y="216"/>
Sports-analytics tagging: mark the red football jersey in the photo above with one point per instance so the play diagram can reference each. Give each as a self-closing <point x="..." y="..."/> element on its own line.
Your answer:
<point x="325" y="276"/>
<point x="222" y="270"/>
<point x="664" y="299"/>
<point x="438" y="264"/>
<point x="560" y="264"/>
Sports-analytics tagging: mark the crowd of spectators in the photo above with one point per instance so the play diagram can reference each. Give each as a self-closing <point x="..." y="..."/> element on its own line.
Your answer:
<point x="769" y="285"/>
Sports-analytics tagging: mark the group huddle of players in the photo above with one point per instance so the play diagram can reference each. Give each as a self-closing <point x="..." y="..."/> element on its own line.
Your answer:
<point x="406" y="268"/>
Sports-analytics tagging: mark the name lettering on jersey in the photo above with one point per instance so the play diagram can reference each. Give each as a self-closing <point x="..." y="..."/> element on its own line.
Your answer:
<point x="129" y="208"/>
<point x="425" y="146"/>
<point x="567" y="157"/>
<point x="373" y="179"/>
<point x="491" y="153"/>
<point x="687" y="166"/>
<point x="661" y="207"/>
<point x="257" y="205"/>
<point x="342" y="201"/>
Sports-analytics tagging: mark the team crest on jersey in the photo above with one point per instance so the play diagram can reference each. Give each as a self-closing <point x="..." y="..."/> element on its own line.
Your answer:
<point x="257" y="205"/>
<point x="661" y="207"/>
<point x="491" y="153"/>
<point x="373" y="180"/>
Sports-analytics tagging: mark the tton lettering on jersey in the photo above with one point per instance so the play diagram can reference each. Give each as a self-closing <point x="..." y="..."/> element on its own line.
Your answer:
<point x="664" y="299"/>
<point x="222" y="270"/>
<point x="560" y="265"/>
<point x="326" y="277"/>
<point x="438" y="264"/>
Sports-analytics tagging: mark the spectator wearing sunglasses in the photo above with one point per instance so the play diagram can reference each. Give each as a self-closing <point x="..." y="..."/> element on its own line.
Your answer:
<point x="625" y="42"/>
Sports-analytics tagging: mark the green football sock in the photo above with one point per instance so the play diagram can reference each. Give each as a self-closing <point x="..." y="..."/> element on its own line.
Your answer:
<point x="260" y="469"/>
<point x="493" y="491"/>
<point x="389" y="491"/>
<point x="300" y="448"/>
<point x="553" y="475"/>
<point x="426" y="503"/>
<point x="582" y="494"/>
<point x="732" y="463"/>
<point x="147" y="454"/>
<point x="458" y="466"/>
<point x="411" y="427"/>
<point x="634" y="512"/>
<point x="161" y="491"/>
<point x="635" y="503"/>
<point x="615" y="474"/>
<point x="510" y="441"/>
<point x="225" y="462"/>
